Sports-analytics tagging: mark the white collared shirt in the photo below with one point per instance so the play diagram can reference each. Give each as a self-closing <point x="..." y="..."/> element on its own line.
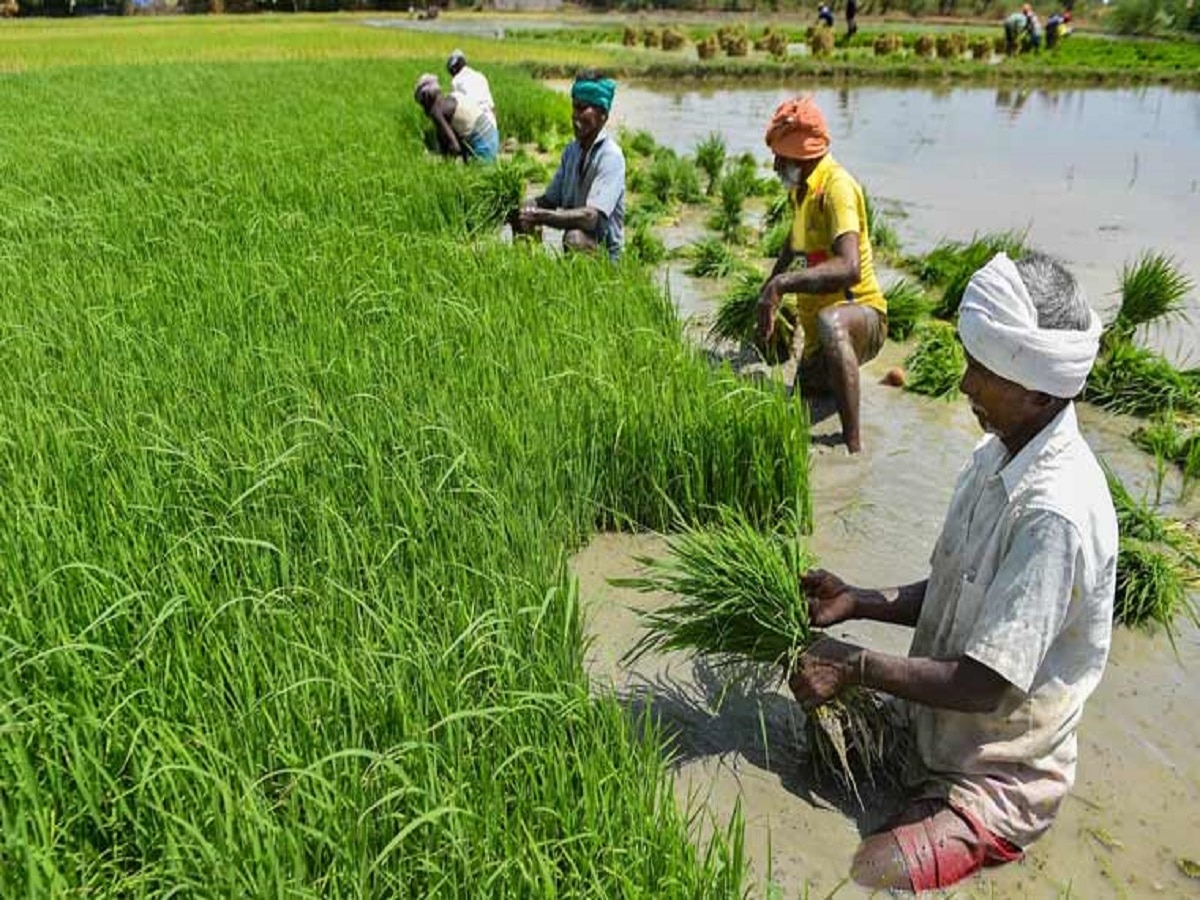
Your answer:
<point x="1022" y="581"/>
<point x="475" y="86"/>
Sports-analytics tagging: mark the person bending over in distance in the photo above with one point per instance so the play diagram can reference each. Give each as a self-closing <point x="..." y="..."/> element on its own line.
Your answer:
<point x="1013" y="624"/>
<point x="471" y="83"/>
<point x="461" y="127"/>
<point x="586" y="197"/>
<point x="841" y="308"/>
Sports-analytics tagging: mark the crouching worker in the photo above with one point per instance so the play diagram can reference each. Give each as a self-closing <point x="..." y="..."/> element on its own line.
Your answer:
<point x="841" y="309"/>
<point x="462" y="127"/>
<point x="586" y="197"/>
<point x="1014" y="622"/>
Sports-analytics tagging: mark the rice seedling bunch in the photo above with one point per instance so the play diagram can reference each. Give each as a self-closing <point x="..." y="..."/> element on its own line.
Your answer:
<point x="707" y="48"/>
<point x="727" y="220"/>
<point x="775" y="239"/>
<point x="937" y="362"/>
<point x="1131" y="379"/>
<point x="639" y="143"/>
<point x="652" y="38"/>
<point x="884" y="239"/>
<point x="779" y="206"/>
<point x="737" y="319"/>
<point x="1150" y="589"/>
<point x="907" y="307"/>
<point x="951" y="265"/>
<point x="738" y="601"/>
<point x="1175" y="439"/>
<point x="1153" y="288"/>
<point x="629" y="36"/>
<point x="673" y="39"/>
<point x="710" y="158"/>
<point x="711" y="258"/>
<point x="496" y="192"/>
<point x="644" y="245"/>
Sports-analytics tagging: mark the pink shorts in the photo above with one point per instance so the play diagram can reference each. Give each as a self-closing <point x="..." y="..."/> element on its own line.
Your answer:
<point x="942" y="844"/>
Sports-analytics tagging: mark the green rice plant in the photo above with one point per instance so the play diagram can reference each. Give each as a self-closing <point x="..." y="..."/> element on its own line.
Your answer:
<point x="710" y="158"/>
<point x="1153" y="288"/>
<point x="496" y="192"/>
<point x="738" y="602"/>
<point x="737" y="319"/>
<point x="1130" y="379"/>
<point x="779" y="207"/>
<point x="727" y="219"/>
<point x="907" y="307"/>
<point x="1175" y="439"/>
<point x="775" y="239"/>
<point x="639" y="143"/>
<point x="711" y="258"/>
<point x="937" y="362"/>
<point x="951" y="265"/>
<point x="884" y="239"/>
<point x="645" y="246"/>
<point x="1158" y="557"/>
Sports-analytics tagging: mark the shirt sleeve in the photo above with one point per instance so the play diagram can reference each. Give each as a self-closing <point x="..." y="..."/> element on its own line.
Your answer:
<point x="841" y="200"/>
<point x="609" y="184"/>
<point x="1027" y="603"/>
<point x="554" y="192"/>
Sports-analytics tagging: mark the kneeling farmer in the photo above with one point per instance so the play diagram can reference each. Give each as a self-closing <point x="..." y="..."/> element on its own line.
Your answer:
<point x="842" y="311"/>
<point x="586" y="198"/>
<point x="1014" y="622"/>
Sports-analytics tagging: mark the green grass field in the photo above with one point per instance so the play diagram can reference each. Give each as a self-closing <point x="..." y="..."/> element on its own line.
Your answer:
<point x="290" y="471"/>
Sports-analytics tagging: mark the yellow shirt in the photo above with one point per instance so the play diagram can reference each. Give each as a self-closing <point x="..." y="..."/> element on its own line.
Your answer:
<point x="833" y="205"/>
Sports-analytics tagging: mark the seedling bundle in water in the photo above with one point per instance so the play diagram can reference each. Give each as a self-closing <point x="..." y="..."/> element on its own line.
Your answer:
<point x="739" y="602"/>
<point x="737" y="319"/>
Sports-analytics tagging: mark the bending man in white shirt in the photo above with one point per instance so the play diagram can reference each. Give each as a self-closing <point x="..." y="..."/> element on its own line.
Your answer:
<point x="1012" y="627"/>
<point x="471" y="83"/>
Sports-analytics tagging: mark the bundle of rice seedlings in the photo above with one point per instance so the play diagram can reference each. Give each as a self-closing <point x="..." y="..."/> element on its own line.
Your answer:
<point x="883" y="236"/>
<point x="1130" y="379"/>
<point x="737" y="319"/>
<point x="652" y="38"/>
<point x="952" y="263"/>
<point x="727" y="220"/>
<point x="673" y="39"/>
<point x="495" y="192"/>
<point x="775" y="238"/>
<point x="629" y="37"/>
<point x="981" y="49"/>
<point x="779" y="206"/>
<point x="707" y="48"/>
<point x="821" y="42"/>
<point x="710" y="259"/>
<point x="1175" y="439"/>
<point x="1157" y="558"/>
<point x="907" y="306"/>
<point x="937" y="362"/>
<point x="710" y="158"/>
<point x="739" y="603"/>
<point x="639" y="143"/>
<point x="777" y="45"/>
<point x="645" y="246"/>
<point x="925" y="46"/>
<point x="1152" y="288"/>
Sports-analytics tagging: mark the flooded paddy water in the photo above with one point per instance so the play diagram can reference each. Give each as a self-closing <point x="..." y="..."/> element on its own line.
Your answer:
<point x="1096" y="177"/>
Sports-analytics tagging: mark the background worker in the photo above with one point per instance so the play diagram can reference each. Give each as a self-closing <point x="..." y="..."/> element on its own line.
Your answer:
<point x="1015" y="25"/>
<point x="461" y="127"/>
<point x="471" y="83"/>
<point x="586" y="197"/>
<point x="842" y="310"/>
<point x="1013" y="625"/>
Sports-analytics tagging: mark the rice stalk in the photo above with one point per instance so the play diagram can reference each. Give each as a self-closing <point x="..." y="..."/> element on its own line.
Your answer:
<point x="711" y="258"/>
<point x="738" y="601"/>
<point x="1130" y="379"/>
<point x="737" y="319"/>
<point x="710" y="158"/>
<point x="496" y="193"/>
<point x="1153" y="288"/>
<point x="952" y="263"/>
<point x="907" y="306"/>
<point x="937" y="362"/>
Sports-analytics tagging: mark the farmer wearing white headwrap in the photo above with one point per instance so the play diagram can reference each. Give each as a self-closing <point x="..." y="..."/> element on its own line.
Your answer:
<point x="471" y="83"/>
<point x="1012" y="627"/>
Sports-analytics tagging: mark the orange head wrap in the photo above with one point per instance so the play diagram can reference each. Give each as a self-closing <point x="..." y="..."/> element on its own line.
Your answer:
<point x="798" y="130"/>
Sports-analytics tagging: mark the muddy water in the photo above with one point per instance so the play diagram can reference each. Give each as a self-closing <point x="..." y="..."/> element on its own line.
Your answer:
<point x="1135" y="810"/>
<point x="1095" y="176"/>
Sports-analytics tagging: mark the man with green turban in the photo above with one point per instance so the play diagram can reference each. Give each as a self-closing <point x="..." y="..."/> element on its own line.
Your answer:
<point x="586" y="198"/>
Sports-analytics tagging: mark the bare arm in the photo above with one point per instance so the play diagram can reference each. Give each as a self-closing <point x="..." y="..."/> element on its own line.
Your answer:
<point x="961" y="684"/>
<point x="839" y="272"/>
<point x="584" y="219"/>
<point x="831" y="600"/>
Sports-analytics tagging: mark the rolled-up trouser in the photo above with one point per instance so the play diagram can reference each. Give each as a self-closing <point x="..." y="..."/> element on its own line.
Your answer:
<point x="484" y="140"/>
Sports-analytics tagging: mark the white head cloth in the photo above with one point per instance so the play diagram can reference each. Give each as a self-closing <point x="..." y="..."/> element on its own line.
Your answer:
<point x="998" y="325"/>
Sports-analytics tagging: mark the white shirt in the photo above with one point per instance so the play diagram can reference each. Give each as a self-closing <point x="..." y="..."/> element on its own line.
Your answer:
<point x="475" y="86"/>
<point x="1022" y="581"/>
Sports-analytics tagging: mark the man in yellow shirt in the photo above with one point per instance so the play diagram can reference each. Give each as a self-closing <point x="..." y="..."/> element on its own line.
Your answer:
<point x="842" y="311"/>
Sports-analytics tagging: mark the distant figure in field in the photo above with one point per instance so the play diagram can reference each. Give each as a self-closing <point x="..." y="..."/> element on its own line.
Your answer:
<point x="1058" y="26"/>
<point x="825" y="15"/>
<point x="1033" y="28"/>
<point x="461" y="126"/>
<point x="841" y="309"/>
<point x="471" y="83"/>
<point x="1015" y="25"/>
<point x="851" y="18"/>
<point x="586" y="197"/>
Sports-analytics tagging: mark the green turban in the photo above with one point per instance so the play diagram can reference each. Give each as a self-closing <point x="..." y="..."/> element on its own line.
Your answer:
<point x="594" y="92"/>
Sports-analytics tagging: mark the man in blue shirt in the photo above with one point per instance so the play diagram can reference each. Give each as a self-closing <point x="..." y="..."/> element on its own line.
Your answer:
<point x="586" y="197"/>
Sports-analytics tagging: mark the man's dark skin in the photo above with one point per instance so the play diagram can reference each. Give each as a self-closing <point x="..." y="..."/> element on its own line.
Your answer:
<point x="579" y="226"/>
<point x="844" y="329"/>
<point x="440" y="110"/>
<point x="1015" y="415"/>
